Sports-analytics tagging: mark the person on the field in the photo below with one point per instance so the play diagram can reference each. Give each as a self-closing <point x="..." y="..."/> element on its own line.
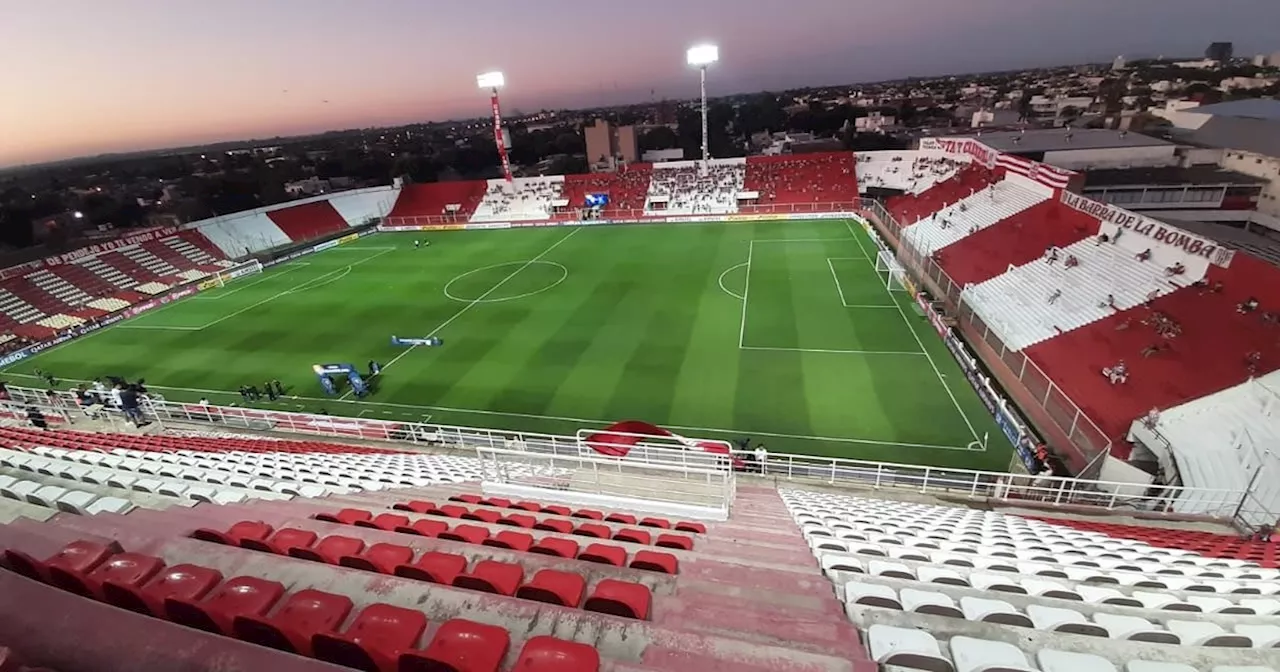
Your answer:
<point x="417" y="244"/>
<point x="271" y="390"/>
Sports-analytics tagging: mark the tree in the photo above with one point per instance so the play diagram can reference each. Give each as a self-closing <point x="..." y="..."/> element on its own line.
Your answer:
<point x="659" y="137"/>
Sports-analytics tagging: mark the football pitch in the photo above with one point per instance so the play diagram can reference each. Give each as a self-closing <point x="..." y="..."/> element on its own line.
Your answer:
<point x="777" y="331"/>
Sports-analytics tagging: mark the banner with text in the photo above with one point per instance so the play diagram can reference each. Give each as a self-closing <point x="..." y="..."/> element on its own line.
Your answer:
<point x="1050" y="176"/>
<point x="1152" y="230"/>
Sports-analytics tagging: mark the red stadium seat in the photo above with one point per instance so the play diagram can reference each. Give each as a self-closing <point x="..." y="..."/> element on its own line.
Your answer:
<point x="330" y="549"/>
<point x="532" y="507"/>
<point x="557" y="510"/>
<point x="604" y="554"/>
<point x="416" y="506"/>
<point x="467" y="499"/>
<point x="451" y="510"/>
<point x="382" y="558"/>
<point x="655" y="522"/>
<point x="589" y="514"/>
<point x="282" y="542"/>
<point x="241" y="596"/>
<point x="516" y="541"/>
<point x="554" y="587"/>
<point x="129" y="570"/>
<point x="245" y="529"/>
<point x="633" y="536"/>
<point x="620" y="598"/>
<point x="469" y="534"/>
<point x="76" y="558"/>
<point x="345" y="516"/>
<point x="491" y="576"/>
<point x="424" y="528"/>
<point x="385" y="521"/>
<point x="624" y="518"/>
<point x="305" y="613"/>
<point x="435" y="567"/>
<point x="519" y="520"/>
<point x="655" y="562"/>
<point x="560" y="548"/>
<point x="548" y="654"/>
<point x="674" y="541"/>
<point x="497" y="501"/>
<point x="685" y="526"/>
<point x="554" y="525"/>
<point x="374" y="641"/>
<point x="482" y="515"/>
<point x="593" y="530"/>
<point x="461" y="645"/>
<point x="180" y="582"/>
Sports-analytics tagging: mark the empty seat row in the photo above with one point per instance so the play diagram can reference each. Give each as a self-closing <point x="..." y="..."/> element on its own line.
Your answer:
<point x="308" y="622"/>
<point x="63" y="499"/>
<point x="589" y="529"/>
<point x="615" y="517"/>
<point x="1062" y="619"/>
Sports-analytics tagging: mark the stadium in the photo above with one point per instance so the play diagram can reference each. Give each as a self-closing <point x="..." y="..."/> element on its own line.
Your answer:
<point x="697" y="415"/>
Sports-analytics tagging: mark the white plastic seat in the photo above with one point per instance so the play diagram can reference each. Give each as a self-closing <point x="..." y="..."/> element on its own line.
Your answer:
<point x="993" y="611"/>
<point x="871" y="595"/>
<point x="979" y="655"/>
<point x="19" y="489"/>
<point x="1153" y="666"/>
<point x="1263" y="636"/>
<point x="996" y="582"/>
<point x="75" y="501"/>
<point x="906" y="647"/>
<point x="1263" y="606"/>
<point x="942" y="575"/>
<point x="892" y="570"/>
<point x="1052" y="660"/>
<point x="1057" y="619"/>
<point x="109" y="505"/>
<point x="1104" y="595"/>
<point x="1045" y="588"/>
<point x="1203" y="633"/>
<point x="1135" y="629"/>
<point x="47" y="495"/>
<point x="929" y="602"/>
<point x="839" y="562"/>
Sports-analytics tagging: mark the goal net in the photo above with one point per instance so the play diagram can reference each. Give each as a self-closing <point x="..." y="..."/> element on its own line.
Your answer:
<point x="891" y="272"/>
<point x="221" y="278"/>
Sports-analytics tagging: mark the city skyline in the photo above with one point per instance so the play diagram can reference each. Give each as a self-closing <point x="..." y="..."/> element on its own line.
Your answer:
<point x="137" y="75"/>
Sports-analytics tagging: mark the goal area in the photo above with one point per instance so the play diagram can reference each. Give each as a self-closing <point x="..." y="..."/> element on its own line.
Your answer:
<point x="222" y="277"/>
<point x="891" y="272"/>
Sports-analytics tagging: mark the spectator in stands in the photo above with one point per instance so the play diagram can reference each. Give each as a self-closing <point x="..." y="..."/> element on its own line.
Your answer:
<point x="271" y="391"/>
<point x="1109" y="302"/>
<point x="1251" y="361"/>
<point x="991" y="191"/>
<point x="1247" y="306"/>
<point x="1128" y="322"/>
<point x="278" y="386"/>
<point x="1270" y="317"/>
<point x="761" y="456"/>
<point x="1152" y="349"/>
<point x="1102" y="238"/>
<point x="1144" y="255"/>
<point x="1117" y="374"/>
<point x="1152" y="296"/>
<point x="1176" y="269"/>
<point x="1051" y="253"/>
<point x="1053" y="298"/>
<point x="1071" y="261"/>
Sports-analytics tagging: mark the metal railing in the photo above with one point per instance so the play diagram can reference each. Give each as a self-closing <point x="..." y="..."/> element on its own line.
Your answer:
<point x="980" y="485"/>
<point x="614" y="214"/>
<point x="1087" y="438"/>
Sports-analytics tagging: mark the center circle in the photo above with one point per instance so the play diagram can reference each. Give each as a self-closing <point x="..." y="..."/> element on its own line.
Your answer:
<point x="503" y="282"/>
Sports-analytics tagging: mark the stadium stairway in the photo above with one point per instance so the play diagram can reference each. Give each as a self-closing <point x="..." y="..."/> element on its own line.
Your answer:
<point x="308" y="221"/>
<point x="973" y="214"/>
<point x="791" y="179"/>
<point x="119" y="270"/>
<point x="737" y="595"/>
<point x="1015" y="241"/>
<point x="435" y="199"/>
<point x="1207" y="357"/>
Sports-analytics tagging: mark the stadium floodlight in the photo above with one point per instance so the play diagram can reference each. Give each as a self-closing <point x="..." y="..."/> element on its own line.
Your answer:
<point x="77" y="214"/>
<point x="493" y="81"/>
<point x="700" y="57"/>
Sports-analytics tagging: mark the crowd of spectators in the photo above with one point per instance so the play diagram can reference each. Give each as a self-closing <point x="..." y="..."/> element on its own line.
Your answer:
<point x="691" y="189"/>
<point x="526" y="197"/>
<point x="804" y="178"/>
<point x="896" y="172"/>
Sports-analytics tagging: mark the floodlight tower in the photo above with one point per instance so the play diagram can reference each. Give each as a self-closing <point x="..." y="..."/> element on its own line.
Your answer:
<point x="700" y="57"/>
<point x="494" y="81"/>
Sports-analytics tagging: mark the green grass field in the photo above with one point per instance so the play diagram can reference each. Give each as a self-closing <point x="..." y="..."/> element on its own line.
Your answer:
<point x="554" y="329"/>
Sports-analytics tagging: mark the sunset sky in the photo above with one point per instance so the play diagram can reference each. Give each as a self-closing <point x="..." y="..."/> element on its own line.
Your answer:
<point x="88" y="76"/>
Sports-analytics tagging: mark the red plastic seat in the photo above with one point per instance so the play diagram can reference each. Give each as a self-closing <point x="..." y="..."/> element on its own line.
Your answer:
<point x="467" y="499"/>
<point x="282" y="542"/>
<point x="424" y="528"/>
<point x="624" y="518"/>
<point x="620" y="598"/>
<point x="184" y="582"/>
<point x="469" y="534"/>
<point x="590" y="514"/>
<point x="593" y="530"/>
<point x="245" y="529"/>
<point x="345" y="516"/>
<point x="604" y="554"/>
<point x="500" y="502"/>
<point x="374" y="641"/>
<point x="305" y="613"/>
<point x="519" y="520"/>
<point x="661" y="523"/>
<point x="330" y="550"/>
<point x="516" y="541"/>
<point x="381" y="557"/>
<point x="560" y="548"/>
<point x="548" y="654"/>
<point x="385" y="521"/>
<point x="655" y="562"/>
<point x="557" y="510"/>
<point x="435" y="567"/>
<point x="491" y="576"/>
<point x="674" y="541"/>
<point x="554" y="525"/>
<point x="241" y="596"/>
<point x="416" y="506"/>
<point x="460" y="645"/>
<point x="531" y="507"/>
<point x="633" y="536"/>
<point x="76" y="558"/>
<point x="554" y="587"/>
<point x="482" y="515"/>
<point x="451" y="510"/>
<point x="129" y="570"/>
<point x="686" y="526"/>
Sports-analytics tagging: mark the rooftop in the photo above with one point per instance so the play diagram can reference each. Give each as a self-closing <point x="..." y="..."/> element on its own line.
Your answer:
<point x="1171" y="175"/>
<point x="1256" y="108"/>
<point x="1058" y="139"/>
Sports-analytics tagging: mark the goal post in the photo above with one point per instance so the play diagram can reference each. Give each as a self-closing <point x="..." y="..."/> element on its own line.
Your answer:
<point x="891" y="272"/>
<point x="222" y="277"/>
